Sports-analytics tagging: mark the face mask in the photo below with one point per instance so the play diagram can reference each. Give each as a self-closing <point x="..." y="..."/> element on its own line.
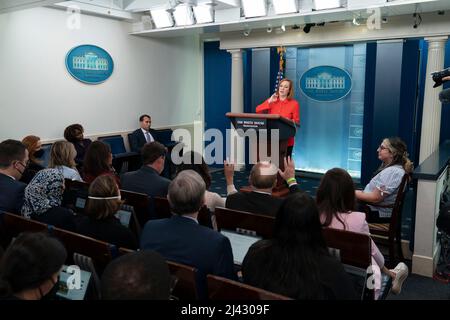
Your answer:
<point x="39" y="153"/>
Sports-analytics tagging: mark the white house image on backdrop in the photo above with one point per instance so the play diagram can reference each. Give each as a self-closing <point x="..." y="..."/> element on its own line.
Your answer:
<point x="90" y="61"/>
<point x="325" y="81"/>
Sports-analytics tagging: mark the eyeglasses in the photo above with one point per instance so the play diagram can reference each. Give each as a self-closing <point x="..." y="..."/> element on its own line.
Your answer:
<point x="381" y="147"/>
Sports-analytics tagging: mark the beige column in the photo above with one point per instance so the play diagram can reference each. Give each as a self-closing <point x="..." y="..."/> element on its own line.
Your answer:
<point x="426" y="248"/>
<point x="431" y="119"/>
<point x="237" y="106"/>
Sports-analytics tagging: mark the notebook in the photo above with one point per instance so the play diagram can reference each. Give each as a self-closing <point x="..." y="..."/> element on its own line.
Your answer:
<point x="240" y="244"/>
<point x="124" y="215"/>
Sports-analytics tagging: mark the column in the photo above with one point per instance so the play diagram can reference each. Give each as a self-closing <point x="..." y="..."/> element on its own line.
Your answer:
<point x="237" y="151"/>
<point x="431" y="119"/>
<point x="426" y="248"/>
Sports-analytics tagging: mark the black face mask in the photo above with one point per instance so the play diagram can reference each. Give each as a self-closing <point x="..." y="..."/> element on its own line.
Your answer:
<point x="39" y="153"/>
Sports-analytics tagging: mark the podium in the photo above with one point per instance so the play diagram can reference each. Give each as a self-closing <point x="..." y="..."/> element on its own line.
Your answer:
<point x="269" y="122"/>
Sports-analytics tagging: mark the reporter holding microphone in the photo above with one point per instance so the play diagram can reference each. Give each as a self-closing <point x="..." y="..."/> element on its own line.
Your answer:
<point x="283" y="104"/>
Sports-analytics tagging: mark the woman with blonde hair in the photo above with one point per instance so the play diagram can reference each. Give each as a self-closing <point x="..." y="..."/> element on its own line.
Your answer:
<point x="35" y="153"/>
<point x="62" y="158"/>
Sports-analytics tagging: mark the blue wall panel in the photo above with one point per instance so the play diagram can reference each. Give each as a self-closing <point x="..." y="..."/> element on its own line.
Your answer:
<point x="217" y="94"/>
<point x="445" y="115"/>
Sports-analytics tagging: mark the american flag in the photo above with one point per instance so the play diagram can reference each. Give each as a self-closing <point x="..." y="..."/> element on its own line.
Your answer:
<point x="280" y="75"/>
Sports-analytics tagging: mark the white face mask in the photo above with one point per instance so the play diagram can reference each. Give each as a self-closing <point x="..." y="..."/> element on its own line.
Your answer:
<point x="105" y="198"/>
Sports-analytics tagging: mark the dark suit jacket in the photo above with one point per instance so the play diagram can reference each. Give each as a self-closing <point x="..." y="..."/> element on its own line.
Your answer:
<point x="184" y="241"/>
<point x="146" y="180"/>
<point x="255" y="202"/>
<point x="11" y="194"/>
<point x="109" y="230"/>
<point x="59" y="217"/>
<point x="137" y="139"/>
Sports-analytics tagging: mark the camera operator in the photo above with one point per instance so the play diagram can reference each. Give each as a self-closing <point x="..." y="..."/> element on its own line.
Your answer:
<point x="444" y="95"/>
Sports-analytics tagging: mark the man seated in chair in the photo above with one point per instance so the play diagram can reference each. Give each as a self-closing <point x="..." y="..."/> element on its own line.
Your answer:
<point x="144" y="135"/>
<point x="13" y="161"/>
<point x="147" y="179"/>
<point x="181" y="239"/>
<point x="262" y="179"/>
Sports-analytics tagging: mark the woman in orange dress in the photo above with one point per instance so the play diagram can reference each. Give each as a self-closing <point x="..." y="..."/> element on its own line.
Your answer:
<point x="282" y="103"/>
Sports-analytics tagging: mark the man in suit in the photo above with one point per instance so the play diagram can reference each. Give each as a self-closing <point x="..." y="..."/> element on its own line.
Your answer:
<point x="182" y="239"/>
<point x="147" y="179"/>
<point x="262" y="179"/>
<point x="13" y="161"/>
<point x="143" y="135"/>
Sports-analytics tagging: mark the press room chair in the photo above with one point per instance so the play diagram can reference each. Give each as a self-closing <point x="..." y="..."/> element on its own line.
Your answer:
<point x="390" y="234"/>
<point x="122" y="159"/>
<point x="220" y="288"/>
<point x="245" y="222"/>
<point x="46" y="157"/>
<point x="355" y="252"/>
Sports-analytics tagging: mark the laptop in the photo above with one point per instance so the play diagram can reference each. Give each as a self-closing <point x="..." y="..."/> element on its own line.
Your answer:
<point x="124" y="214"/>
<point x="240" y="243"/>
<point x="68" y="279"/>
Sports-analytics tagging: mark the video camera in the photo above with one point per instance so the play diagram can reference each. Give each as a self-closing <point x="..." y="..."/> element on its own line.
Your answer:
<point x="437" y="77"/>
<point x="444" y="95"/>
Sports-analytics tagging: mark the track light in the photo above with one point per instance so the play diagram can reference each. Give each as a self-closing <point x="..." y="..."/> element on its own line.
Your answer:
<point x="247" y="32"/>
<point x="269" y="29"/>
<point x="308" y="27"/>
<point x="417" y="20"/>
<point x="283" y="28"/>
<point x="356" y="21"/>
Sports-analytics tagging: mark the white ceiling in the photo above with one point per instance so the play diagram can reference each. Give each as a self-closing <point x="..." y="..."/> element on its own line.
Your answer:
<point x="135" y="10"/>
<point x="388" y="9"/>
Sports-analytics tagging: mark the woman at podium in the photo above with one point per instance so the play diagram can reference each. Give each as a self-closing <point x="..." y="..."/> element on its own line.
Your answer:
<point x="282" y="103"/>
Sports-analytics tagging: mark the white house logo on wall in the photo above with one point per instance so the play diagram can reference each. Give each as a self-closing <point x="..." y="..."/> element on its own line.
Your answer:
<point x="326" y="83"/>
<point x="89" y="64"/>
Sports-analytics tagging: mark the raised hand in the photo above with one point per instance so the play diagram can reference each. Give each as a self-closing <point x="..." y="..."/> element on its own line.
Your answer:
<point x="273" y="98"/>
<point x="289" y="169"/>
<point x="228" y="171"/>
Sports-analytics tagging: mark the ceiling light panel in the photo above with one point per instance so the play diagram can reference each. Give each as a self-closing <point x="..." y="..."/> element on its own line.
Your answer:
<point x="183" y="15"/>
<point x="161" y="18"/>
<point x="254" y="8"/>
<point x="327" y="4"/>
<point x="285" y="6"/>
<point x="204" y="14"/>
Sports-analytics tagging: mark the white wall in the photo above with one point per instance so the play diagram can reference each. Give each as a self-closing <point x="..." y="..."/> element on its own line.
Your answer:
<point x="161" y="77"/>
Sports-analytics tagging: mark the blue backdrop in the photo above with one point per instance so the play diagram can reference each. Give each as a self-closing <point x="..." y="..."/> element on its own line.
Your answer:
<point x="330" y="133"/>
